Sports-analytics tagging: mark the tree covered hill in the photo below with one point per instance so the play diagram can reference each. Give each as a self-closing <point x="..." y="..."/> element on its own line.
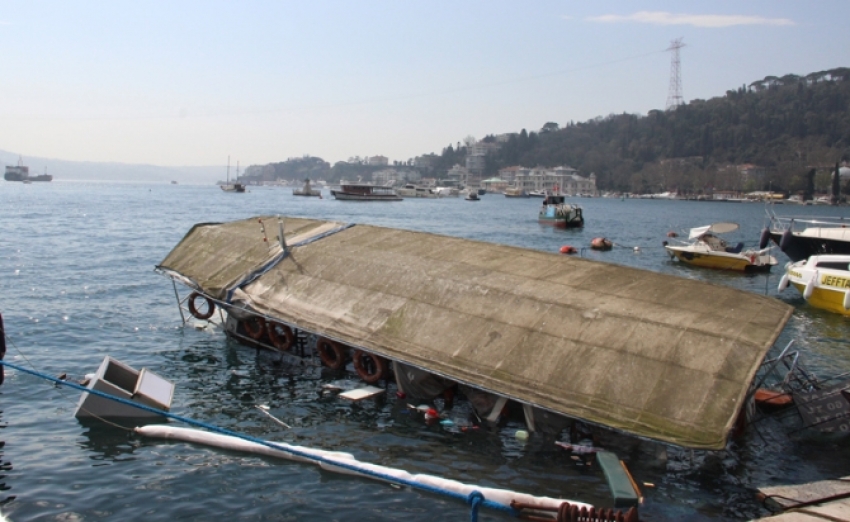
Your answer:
<point x="787" y="125"/>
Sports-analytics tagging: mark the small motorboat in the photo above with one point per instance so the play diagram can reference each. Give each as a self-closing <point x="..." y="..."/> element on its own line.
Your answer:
<point x="823" y="280"/>
<point x="472" y="196"/>
<point x="706" y="249"/>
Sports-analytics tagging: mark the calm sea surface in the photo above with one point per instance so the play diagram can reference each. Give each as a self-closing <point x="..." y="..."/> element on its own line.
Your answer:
<point x="77" y="283"/>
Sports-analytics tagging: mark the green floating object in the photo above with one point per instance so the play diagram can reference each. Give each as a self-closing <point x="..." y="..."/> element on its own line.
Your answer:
<point x="618" y="480"/>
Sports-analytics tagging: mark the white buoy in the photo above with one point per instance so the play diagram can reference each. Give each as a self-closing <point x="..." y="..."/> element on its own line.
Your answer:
<point x="348" y="465"/>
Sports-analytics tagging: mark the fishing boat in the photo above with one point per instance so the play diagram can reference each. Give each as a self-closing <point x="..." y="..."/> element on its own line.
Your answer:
<point x="472" y="195"/>
<point x="307" y="190"/>
<point x="556" y="212"/>
<point x="235" y="186"/>
<point x="561" y="337"/>
<point x="823" y="280"/>
<point x="706" y="249"/>
<point x="365" y="193"/>
<point x="802" y="236"/>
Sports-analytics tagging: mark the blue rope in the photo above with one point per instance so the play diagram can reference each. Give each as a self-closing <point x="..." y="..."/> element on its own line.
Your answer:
<point x="475" y="499"/>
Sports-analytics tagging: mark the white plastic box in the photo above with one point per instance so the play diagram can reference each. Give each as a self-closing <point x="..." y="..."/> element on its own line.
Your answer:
<point x="120" y="380"/>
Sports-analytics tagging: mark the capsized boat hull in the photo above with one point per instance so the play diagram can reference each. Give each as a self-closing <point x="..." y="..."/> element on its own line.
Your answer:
<point x="468" y="311"/>
<point x="822" y="281"/>
<point x="722" y="260"/>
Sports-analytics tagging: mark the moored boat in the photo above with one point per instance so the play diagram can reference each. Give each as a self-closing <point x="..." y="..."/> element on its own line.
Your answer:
<point x="706" y="249"/>
<point x="802" y="236"/>
<point x="365" y="193"/>
<point x="513" y="192"/>
<point x="823" y="281"/>
<point x="415" y="191"/>
<point x="556" y="212"/>
<point x="307" y="190"/>
<point x="227" y="186"/>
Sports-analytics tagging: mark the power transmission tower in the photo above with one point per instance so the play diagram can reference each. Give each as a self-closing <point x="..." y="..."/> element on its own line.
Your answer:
<point x="674" y="96"/>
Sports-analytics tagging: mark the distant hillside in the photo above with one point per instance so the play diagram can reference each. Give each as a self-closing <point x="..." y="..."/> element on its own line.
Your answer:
<point x="787" y="125"/>
<point x="91" y="171"/>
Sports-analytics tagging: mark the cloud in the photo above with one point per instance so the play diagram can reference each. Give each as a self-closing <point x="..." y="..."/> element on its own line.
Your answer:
<point x="697" y="20"/>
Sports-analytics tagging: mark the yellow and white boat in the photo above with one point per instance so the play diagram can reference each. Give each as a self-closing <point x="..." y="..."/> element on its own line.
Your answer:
<point x="706" y="249"/>
<point x="823" y="280"/>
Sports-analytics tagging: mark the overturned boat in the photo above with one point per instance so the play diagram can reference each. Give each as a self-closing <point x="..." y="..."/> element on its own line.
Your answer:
<point x="609" y="345"/>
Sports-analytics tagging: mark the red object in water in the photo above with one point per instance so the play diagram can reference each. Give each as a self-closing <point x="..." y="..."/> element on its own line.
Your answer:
<point x="672" y="234"/>
<point x="567" y="249"/>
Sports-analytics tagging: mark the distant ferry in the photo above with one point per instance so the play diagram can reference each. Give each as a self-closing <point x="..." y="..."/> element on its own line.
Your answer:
<point x="22" y="173"/>
<point x="365" y="193"/>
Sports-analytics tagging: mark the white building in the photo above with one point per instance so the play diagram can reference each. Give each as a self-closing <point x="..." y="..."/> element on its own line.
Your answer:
<point x="565" y="180"/>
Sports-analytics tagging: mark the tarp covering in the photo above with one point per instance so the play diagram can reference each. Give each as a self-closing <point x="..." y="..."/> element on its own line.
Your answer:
<point x="646" y="353"/>
<point x="717" y="228"/>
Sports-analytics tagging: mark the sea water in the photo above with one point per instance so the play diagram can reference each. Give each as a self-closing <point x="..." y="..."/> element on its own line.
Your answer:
<point x="77" y="284"/>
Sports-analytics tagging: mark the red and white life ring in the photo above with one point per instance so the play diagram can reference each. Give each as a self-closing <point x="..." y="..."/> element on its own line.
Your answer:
<point x="193" y="306"/>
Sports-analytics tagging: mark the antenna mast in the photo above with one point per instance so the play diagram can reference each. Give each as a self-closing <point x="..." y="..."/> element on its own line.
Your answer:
<point x="674" y="96"/>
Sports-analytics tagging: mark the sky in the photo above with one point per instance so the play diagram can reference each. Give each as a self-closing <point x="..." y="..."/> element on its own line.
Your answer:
<point x="189" y="83"/>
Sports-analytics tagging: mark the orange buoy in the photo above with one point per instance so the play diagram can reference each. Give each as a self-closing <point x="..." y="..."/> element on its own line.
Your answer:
<point x="601" y="243"/>
<point x="568" y="249"/>
<point x="672" y="234"/>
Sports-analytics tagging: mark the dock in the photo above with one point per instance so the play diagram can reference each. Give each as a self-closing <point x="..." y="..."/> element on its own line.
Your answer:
<point x="810" y="502"/>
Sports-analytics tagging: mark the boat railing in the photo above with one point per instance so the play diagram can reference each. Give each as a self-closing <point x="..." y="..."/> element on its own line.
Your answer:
<point x="799" y="223"/>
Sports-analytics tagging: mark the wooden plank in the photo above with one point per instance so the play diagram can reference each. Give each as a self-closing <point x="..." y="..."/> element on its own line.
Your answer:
<point x="788" y="497"/>
<point x="618" y="480"/>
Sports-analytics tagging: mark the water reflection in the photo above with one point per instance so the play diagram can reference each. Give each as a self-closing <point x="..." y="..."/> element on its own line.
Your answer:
<point x="106" y="442"/>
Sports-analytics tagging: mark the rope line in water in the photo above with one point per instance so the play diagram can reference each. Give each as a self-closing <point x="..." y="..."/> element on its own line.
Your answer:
<point x="474" y="499"/>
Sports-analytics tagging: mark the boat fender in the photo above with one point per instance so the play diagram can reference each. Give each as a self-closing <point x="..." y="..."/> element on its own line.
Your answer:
<point x="280" y="335"/>
<point x="254" y="326"/>
<point x="810" y="286"/>
<point x="785" y="240"/>
<point x="330" y="353"/>
<point x="783" y="283"/>
<point x="846" y="302"/>
<point x="568" y="249"/>
<point x="370" y="367"/>
<point x="764" y="239"/>
<point x="193" y="307"/>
